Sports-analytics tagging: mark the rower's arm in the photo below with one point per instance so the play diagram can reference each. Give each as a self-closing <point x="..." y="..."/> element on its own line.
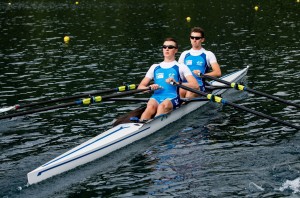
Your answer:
<point x="216" y="70"/>
<point x="144" y="83"/>
<point x="191" y="82"/>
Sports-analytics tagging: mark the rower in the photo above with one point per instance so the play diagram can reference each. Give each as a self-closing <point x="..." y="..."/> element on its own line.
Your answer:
<point x="167" y="98"/>
<point x="199" y="60"/>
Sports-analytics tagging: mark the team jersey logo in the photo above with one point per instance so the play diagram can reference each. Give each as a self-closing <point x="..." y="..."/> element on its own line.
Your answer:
<point x="199" y="63"/>
<point x="176" y="102"/>
<point x="189" y="62"/>
<point x="159" y="75"/>
<point x="171" y="75"/>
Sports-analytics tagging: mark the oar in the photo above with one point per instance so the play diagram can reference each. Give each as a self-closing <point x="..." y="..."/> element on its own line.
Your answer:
<point x="225" y="102"/>
<point x="85" y="101"/>
<point x="147" y="99"/>
<point x="211" y="88"/>
<point x="129" y="99"/>
<point x="119" y="89"/>
<point x="243" y="88"/>
<point x="186" y="100"/>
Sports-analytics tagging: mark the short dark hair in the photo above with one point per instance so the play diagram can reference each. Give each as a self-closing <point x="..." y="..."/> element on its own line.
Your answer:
<point x="199" y="30"/>
<point x="171" y="39"/>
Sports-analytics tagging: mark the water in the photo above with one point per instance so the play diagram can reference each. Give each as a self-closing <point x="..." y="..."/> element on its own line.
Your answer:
<point x="214" y="152"/>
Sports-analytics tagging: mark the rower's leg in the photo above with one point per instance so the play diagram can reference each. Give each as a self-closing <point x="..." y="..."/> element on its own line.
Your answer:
<point x="191" y="95"/>
<point x="182" y="93"/>
<point x="164" y="107"/>
<point x="150" y="110"/>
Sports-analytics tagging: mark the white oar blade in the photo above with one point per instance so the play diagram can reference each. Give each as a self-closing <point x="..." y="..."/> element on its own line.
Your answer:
<point x="2" y="110"/>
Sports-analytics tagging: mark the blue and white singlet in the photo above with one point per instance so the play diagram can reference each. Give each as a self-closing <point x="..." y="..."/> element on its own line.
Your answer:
<point x="160" y="72"/>
<point x="198" y="60"/>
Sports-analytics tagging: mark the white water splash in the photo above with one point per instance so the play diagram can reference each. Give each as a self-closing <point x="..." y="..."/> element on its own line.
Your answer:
<point x="293" y="185"/>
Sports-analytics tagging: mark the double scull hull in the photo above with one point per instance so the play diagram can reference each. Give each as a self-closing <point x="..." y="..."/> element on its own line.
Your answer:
<point x="118" y="137"/>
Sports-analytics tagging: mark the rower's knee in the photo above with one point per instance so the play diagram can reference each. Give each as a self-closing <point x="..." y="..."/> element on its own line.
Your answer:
<point x="182" y="93"/>
<point x="151" y="107"/>
<point x="191" y="95"/>
<point x="165" y="107"/>
<point x="150" y="110"/>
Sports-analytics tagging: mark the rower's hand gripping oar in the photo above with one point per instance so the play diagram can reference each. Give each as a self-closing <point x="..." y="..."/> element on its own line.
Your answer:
<point x="243" y="88"/>
<point x="218" y="99"/>
<point x="86" y="101"/>
<point x="118" y="89"/>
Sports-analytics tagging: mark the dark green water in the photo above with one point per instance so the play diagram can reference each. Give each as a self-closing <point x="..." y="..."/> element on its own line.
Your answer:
<point x="215" y="152"/>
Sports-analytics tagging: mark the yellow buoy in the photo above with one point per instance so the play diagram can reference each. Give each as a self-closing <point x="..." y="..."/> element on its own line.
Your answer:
<point x="66" y="39"/>
<point x="298" y="1"/>
<point x="188" y="19"/>
<point x="76" y="2"/>
<point x="256" y="8"/>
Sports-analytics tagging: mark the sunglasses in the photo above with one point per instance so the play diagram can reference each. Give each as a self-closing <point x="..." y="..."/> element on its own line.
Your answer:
<point x="196" y="37"/>
<point x="169" y="47"/>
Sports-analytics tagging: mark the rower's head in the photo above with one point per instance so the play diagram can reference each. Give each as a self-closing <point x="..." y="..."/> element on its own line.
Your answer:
<point x="170" y="48"/>
<point x="197" y="37"/>
<point x="172" y="41"/>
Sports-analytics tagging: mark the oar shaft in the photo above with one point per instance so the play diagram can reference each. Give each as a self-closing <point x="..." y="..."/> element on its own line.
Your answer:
<point x="223" y="101"/>
<point x="262" y="115"/>
<point x="272" y="97"/>
<point x="129" y="99"/>
<point x="243" y="88"/>
<point x="147" y="99"/>
<point x="85" y="101"/>
<point x="120" y="89"/>
<point x="38" y="110"/>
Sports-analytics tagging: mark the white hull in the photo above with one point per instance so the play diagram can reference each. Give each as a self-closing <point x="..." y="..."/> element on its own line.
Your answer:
<point x="117" y="137"/>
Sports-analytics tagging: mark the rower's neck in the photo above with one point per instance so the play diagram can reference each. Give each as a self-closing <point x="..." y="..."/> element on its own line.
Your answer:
<point x="197" y="48"/>
<point x="166" y="59"/>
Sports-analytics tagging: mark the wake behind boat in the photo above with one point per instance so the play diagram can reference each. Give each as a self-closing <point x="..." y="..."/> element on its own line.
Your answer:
<point x="120" y="136"/>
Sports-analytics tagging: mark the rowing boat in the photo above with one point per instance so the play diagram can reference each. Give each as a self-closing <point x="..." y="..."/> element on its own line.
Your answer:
<point x="120" y="136"/>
